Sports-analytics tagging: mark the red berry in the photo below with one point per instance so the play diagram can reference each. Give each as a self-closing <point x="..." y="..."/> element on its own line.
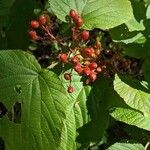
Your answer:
<point x="87" y="71"/>
<point x="93" y="76"/>
<point x="34" y="24"/>
<point x="75" y="19"/>
<point x="73" y="14"/>
<point x="85" y="35"/>
<point x="88" y="51"/>
<point x="67" y="76"/>
<point x="93" y="66"/>
<point x="78" y="68"/>
<point x="75" y="60"/>
<point x="70" y="89"/>
<point x="33" y="35"/>
<point x="63" y="57"/>
<point x="79" y="22"/>
<point x="42" y="20"/>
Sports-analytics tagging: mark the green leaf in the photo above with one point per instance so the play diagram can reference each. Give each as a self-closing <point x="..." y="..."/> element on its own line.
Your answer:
<point x="140" y="51"/>
<point x="126" y="146"/>
<point x="77" y="116"/>
<point x="43" y="98"/>
<point x="102" y="14"/>
<point x="61" y="8"/>
<point x="77" y="113"/>
<point x="134" y="93"/>
<point x="10" y="133"/>
<point x="139" y="38"/>
<point x="148" y="12"/>
<point x="97" y="101"/>
<point x="133" y="25"/>
<point x="132" y="117"/>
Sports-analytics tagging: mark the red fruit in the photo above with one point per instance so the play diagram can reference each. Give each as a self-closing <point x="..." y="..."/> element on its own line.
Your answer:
<point x="70" y="89"/>
<point x="75" y="19"/>
<point x="42" y="20"/>
<point x="63" y="57"/>
<point x="75" y="60"/>
<point x="88" y="51"/>
<point x="93" y="66"/>
<point x="73" y="14"/>
<point x="85" y="35"/>
<point x="33" y="35"/>
<point x="78" y="68"/>
<point x="93" y="76"/>
<point x="67" y="76"/>
<point x="79" y="22"/>
<point x="34" y="24"/>
<point x="87" y="71"/>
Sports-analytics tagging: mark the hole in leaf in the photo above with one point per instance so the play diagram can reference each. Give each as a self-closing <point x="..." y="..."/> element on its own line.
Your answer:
<point x="18" y="89"/>
<point x="3" y="110"/>
<point x="17" y="112"/>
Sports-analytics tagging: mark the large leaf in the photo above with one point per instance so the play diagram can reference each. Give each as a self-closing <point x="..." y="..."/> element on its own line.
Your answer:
<point x="43" y="98"/>
<point x="102" y="14"/>
<point x="134" y="93"/>
<point x="132" y="117"/>
<point x="126" y="146"/>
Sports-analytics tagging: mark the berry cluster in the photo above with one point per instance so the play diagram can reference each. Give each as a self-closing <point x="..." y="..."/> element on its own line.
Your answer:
<point x="82" y="52"/>
<point x="37" y="24"/>
<point x="83" y="58"/>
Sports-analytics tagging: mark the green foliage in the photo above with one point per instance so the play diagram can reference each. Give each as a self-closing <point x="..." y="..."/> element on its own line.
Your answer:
<point x="14" y="19"/>
<point x="102" y="14"/>
<point x="132" y="117"/>
<point x="53" y="119"/>
<point x="134" y="93"/>
<point x="10" y="132"/>
<point x="43" y="99"/>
